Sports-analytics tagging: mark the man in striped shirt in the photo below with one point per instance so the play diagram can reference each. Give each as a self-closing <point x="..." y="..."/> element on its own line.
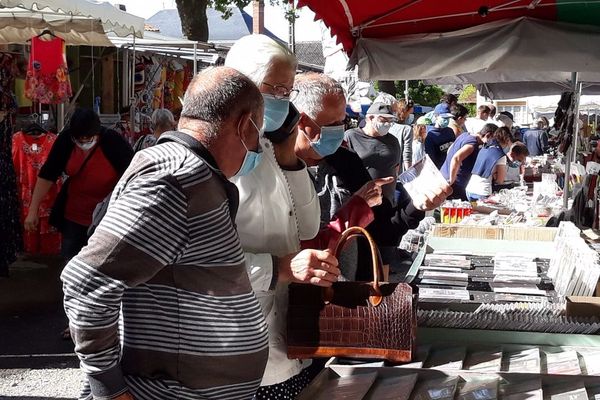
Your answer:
<point x="159" y="302"/>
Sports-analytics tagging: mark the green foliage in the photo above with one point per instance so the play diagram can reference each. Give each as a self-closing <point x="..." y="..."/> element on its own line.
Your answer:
<point x="225" y="7"/>
<point x="468" y="95"/>
<point x="420" y="93"/>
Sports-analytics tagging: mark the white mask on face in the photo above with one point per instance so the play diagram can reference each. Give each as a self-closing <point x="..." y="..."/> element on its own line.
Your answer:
<point x="87" y="145"/>
<point x="382" y="128"/>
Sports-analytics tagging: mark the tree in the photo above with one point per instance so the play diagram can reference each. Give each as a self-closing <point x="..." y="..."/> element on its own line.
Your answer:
<point x="421" y="93"/>
<point x="194" y="22"/>
<point x="468" y="98"/>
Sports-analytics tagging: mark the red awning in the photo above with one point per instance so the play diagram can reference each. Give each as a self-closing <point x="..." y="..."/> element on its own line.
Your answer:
<point x="350" y="19"/>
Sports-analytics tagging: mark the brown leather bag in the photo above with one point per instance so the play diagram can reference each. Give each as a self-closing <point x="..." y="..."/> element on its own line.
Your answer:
<point x="353" y="319"/>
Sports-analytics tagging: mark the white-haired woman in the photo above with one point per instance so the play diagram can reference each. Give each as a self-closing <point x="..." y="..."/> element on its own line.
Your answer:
<point x="278" y="208"/>
<point x="162" y="121"/>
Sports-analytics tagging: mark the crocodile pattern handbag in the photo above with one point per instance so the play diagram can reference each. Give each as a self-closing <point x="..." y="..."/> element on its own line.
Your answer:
<point x="372" y="320"/>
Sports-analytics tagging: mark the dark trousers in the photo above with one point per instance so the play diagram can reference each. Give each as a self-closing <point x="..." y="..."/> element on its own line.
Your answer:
<point x="74" y="238"/>
<point x="458" y="192"/>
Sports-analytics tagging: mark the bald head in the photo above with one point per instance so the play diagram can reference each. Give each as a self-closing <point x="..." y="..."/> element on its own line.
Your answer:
<point x="217" y="95"/>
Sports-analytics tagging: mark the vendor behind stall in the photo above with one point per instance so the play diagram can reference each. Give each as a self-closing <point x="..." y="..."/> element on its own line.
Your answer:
<point x="461" y="159"/>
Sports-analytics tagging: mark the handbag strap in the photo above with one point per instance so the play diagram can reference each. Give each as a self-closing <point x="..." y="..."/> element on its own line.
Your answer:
<point x="349" y="233"/>
<point x="85" y="161"/>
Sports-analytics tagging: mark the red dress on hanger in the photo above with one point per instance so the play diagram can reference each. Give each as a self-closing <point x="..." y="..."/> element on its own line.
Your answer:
<point x="29" y="153"/>
<point x="47" y="75"/>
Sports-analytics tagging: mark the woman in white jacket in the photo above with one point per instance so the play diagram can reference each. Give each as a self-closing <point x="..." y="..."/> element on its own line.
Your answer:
<point x="278" y="208"/>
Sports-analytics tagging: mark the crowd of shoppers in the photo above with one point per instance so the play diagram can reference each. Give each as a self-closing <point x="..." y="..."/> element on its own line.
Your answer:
<point x="181" y="291"/>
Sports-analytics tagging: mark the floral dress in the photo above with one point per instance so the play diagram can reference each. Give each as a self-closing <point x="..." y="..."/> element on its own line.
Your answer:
<point x="29" y="153"/>
<point x="47" y="75"/>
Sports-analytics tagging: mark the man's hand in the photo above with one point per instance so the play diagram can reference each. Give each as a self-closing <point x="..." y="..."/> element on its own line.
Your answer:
<point x="371" y="191"/>
<point x="432" y="198"/>
<point x="31" y="221"/>
<point x="316" y="267"/>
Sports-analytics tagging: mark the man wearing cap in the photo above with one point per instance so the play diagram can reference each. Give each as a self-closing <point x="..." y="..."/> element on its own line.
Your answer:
<point x="379" y="151"/>
<point x="474" y="125"/>
<point x="440" y="137"/>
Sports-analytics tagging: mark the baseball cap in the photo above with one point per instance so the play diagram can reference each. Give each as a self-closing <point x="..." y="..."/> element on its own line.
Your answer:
<point x="424" y="120"/>
<point x="443" y="110"/>
<point x="381" y="109"/>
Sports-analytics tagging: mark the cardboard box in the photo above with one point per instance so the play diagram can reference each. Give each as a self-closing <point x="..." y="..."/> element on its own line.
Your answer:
<point x="583" y="306"/>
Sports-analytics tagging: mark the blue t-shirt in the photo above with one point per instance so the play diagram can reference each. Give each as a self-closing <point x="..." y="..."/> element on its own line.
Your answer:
<point x="464" y="172"/>
<point x="437" y="143"/>
<point x="536" y="141"/>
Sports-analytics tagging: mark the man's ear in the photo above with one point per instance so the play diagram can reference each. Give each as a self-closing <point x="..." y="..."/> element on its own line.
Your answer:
<point x="245" y="127"/>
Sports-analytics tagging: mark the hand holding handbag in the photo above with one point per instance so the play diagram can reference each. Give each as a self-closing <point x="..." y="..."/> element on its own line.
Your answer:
<point x="353" y="319"/>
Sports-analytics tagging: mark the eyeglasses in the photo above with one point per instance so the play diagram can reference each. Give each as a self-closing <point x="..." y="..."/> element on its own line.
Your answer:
<point x="282" y="92"/>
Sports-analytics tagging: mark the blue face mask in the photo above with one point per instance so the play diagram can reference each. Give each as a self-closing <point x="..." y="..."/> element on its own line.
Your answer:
<point x="252" y="158"/>
<point x="514" y="164"/>
<point x="329" y="141"/>
<point x="276" y="111"/>
<point x="443" y="122"/>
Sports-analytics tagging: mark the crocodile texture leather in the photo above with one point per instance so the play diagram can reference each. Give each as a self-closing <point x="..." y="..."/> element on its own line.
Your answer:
<point x="348" y="324"/>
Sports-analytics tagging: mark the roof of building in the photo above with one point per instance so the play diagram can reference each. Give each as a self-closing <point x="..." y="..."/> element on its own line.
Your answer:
<point x="310" y="54"/>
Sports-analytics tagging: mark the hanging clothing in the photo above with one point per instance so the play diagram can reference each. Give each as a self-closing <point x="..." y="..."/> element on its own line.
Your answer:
<point x="10" y="222"/>
<point x="48" y="75"/>
<point x="8" y="72"/>
<point x="29" y="153"/>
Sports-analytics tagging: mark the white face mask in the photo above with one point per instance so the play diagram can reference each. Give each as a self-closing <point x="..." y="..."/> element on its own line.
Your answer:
<point x="87" y="145"/>
<point x="382" y="128"/>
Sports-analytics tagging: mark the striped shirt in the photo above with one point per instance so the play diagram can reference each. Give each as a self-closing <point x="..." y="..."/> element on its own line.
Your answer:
<point x="159" y="302"/>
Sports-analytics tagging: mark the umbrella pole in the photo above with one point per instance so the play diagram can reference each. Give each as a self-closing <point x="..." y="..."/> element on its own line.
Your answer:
<point x="406" y="90"/>
<point x="576" y="122"/>
<point x="568" y="154"/>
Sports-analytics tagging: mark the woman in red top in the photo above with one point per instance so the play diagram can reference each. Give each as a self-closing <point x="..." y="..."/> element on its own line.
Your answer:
<point x="91" y="180"/>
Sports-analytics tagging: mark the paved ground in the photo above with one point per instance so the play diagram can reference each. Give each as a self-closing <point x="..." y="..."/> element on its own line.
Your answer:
<point x="35" y="363"/>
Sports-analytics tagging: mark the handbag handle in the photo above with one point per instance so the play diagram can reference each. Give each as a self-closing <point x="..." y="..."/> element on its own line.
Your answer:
<point x="376" y="298"/>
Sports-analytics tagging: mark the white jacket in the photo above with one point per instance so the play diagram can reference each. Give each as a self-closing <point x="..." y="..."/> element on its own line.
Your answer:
<point x="277" y="209"/>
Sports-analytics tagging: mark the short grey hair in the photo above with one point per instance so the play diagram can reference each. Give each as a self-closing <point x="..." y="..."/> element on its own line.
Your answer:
<point x="312" y="89"/>
<point x="253" y="55"/>
<point x="217" y="94"/>
<point x="386" y="98"/>
<point x="163" y="118"/>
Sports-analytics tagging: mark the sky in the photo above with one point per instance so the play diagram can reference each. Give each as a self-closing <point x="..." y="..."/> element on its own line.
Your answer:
<point x="306" y="28"/>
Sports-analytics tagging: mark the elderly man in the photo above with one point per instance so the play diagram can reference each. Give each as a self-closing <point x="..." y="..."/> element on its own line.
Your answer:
<point x="475" y="125"/>
<point x="340" y="177"/>
<point x="168" y="257"/>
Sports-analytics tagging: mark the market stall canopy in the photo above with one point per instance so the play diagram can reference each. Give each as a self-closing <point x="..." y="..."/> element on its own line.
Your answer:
<point x="17" y="25"/>
<point x="526" y="46"/>
<point x="157" y="43"/>
<point x="351" y="20"/>
<point x="113" y="19"/>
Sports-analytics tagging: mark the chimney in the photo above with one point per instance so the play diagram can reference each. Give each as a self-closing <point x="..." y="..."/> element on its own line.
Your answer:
<point x="258" y="16"/>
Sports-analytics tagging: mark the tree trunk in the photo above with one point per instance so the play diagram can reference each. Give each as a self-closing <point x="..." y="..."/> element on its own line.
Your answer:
<point x="194" y="22"/>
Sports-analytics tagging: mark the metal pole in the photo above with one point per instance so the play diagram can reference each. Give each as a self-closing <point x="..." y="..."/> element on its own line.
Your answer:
<point x="406" y="90"/>
<point x="195" y="58"/>
<point x="60" y="124"/>
<point x="132" y="90"/>
<point x="569" y="153"/>
<point x="576" y="122"/>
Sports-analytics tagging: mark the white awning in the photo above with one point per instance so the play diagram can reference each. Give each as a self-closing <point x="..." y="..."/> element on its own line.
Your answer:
<point x="17" y="25"/>
<point x="113" y="19"/>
